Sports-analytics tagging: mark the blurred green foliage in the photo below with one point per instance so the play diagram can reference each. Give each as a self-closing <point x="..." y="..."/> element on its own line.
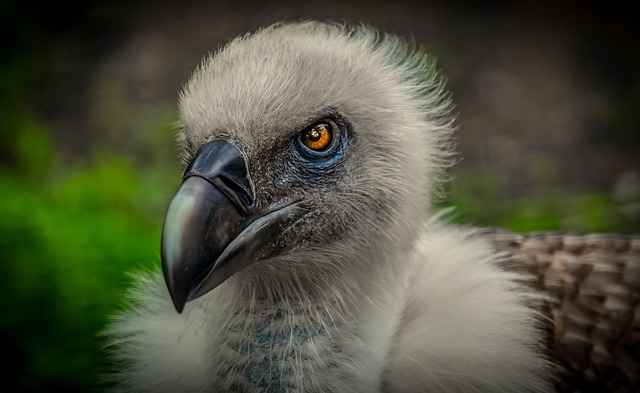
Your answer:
<point x="477" y="199"/>
<point x="66" y="247"/>
<point x="68" y="237"/>
<point x="70" y="232"/>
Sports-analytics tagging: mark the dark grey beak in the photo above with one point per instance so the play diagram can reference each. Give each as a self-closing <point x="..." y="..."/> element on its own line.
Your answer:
<point x="212" y="228"/>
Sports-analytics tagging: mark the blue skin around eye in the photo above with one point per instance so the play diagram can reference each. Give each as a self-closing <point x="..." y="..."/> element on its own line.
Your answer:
<point x="305" y="166"/>
<point x="320" y="161"/>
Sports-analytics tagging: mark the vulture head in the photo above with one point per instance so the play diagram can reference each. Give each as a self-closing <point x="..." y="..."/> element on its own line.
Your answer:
<point x="311" y="152"/>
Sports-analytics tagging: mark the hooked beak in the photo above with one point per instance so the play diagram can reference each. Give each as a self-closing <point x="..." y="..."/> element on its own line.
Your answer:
<point x="212" y="228"/>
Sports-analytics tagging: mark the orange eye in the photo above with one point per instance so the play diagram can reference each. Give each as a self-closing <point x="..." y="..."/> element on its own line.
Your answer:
<point x="317" y="137"/>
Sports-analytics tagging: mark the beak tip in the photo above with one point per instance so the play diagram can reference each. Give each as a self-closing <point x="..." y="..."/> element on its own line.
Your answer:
<point x="178" y="305"/>
<point x="178" y="299"/>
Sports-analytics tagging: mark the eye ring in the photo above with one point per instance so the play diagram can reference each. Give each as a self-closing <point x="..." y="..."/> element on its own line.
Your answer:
<point x="318" y="137"/>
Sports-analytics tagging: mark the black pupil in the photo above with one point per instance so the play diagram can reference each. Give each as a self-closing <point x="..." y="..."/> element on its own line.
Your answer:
<point x="314" y="135"/>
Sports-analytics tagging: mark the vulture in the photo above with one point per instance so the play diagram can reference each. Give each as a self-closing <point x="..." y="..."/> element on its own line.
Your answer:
<point x="302" y="251"/>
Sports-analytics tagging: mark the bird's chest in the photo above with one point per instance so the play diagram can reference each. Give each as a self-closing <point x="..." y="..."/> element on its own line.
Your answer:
<point x="278" y="352"/>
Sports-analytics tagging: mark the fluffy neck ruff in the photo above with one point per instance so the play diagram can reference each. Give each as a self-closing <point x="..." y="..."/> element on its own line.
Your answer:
<point x="289" y="324"/>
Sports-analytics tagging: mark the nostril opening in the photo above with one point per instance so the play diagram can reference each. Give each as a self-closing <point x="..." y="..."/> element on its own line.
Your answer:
<point x="236" y="193"/>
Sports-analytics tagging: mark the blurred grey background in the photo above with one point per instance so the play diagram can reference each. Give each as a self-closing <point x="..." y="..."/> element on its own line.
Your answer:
<point x="547" y="93"/>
